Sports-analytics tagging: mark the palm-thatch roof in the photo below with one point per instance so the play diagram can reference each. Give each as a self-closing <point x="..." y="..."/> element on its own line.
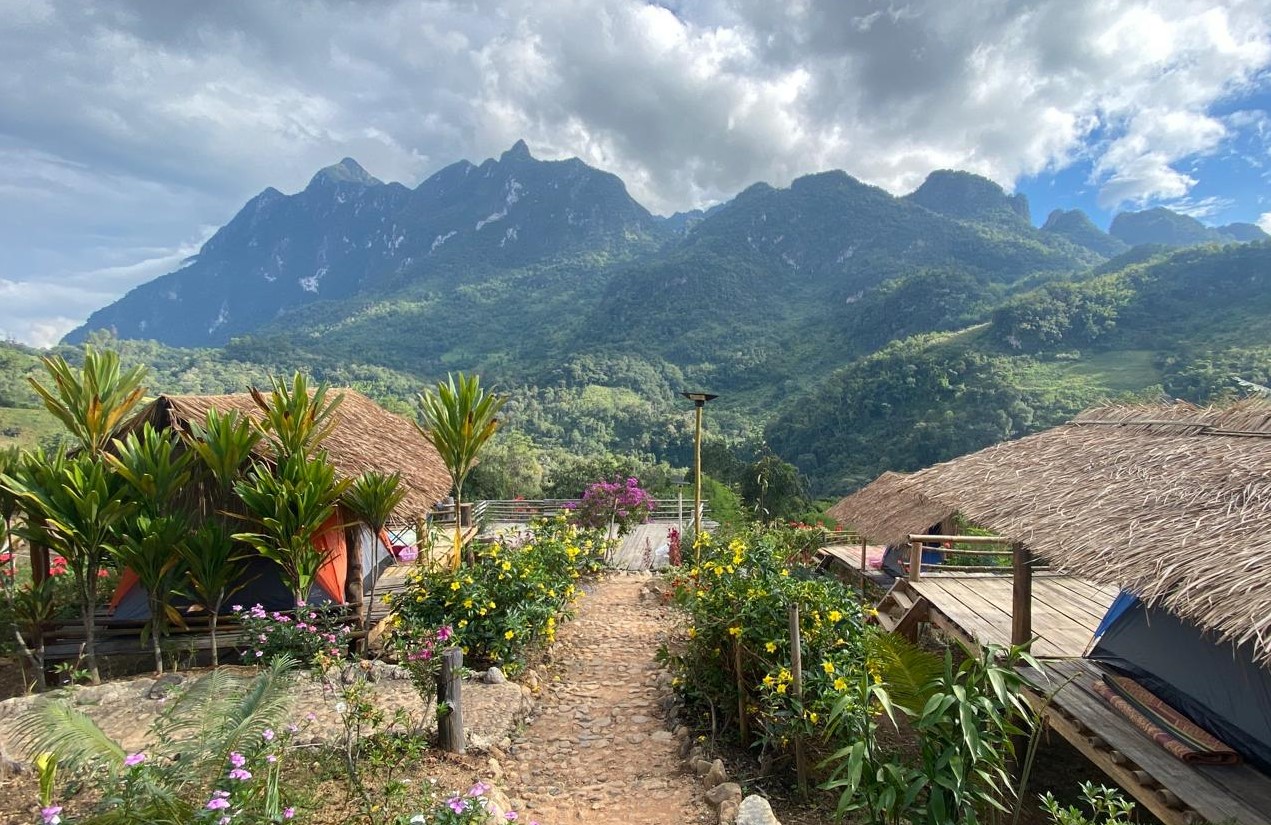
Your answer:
<point x="365" y="437"/>
<point x="1172" y="502"/>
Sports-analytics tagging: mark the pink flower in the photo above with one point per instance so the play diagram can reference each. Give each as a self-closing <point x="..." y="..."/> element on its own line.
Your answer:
<point x="457" y="805"/>
<point x="478" y="789"/>
<point x="241" y="774"/>
<point x="511" y="816"/>
<point x="288" y="813"/>
<point x="268" y="735"/>
<point x="217" y="803"/>
<point x="237" y="759"/>
<point x="134" y="759"/>
<point x="50" y="814"/>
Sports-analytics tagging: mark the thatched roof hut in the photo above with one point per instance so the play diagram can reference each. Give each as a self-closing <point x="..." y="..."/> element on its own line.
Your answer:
<point x="365" y="437"/>
<point x="1170" y="501"/>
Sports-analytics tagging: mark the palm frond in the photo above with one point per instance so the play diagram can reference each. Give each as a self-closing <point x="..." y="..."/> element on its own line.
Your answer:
<point x="909" y="672"/>
<point x="76" y="740"/>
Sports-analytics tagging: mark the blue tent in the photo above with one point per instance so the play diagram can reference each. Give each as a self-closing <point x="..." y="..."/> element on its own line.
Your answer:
<point x="1218" y="685"/>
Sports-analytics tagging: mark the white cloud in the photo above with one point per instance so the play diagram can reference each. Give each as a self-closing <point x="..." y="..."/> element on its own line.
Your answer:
<point x="1264" y="221"/>
<point x="127" y="125"/>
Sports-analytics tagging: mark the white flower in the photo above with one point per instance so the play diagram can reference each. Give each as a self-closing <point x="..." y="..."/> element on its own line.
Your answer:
<point x="341" y="707"/>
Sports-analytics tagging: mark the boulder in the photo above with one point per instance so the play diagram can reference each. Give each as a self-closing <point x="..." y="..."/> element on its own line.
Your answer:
<point x="755" y="810"/>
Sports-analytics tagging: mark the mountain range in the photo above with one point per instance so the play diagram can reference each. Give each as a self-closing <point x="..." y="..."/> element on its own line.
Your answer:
<point x="549" y="279"/>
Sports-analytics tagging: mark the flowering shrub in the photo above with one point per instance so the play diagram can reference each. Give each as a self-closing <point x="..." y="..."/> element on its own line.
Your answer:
<point x="607" y="504"/>
<point x="471" y="808"/>
<point x="738" y="595"/>
<point x="510" y="599"/>
<point x="312" y="635"/>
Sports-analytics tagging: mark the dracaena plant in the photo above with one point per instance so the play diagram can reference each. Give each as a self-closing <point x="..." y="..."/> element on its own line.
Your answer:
<point x="214" y="570"/>
<point x="74" y="506"/>
<point x="372" y="498"/>
<point x="459" y="417"/>
<point x="150" y="546"/>
<point x="223" y="443"/>
<point x="294" y="418"/>
<point x="94" y="400"/>
<point x="288" y="504"/>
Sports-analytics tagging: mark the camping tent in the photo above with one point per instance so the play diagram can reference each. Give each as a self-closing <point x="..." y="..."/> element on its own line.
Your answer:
<point x="1218" y="685"/>
<point x="264" y="584"/>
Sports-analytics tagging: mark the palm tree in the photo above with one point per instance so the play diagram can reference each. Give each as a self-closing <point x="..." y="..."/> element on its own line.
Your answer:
<point x="372" y="497"/>
<point x="459" y="418"/>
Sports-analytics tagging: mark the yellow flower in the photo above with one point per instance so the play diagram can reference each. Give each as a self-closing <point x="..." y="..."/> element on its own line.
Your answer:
<point x="835" y="615"/>
<point x="768" y="681"/>
<point x="734" y="631"/>
<point x="454" y="585"/>
<point x="828" y="667"/>
<point x="781" y="688"/>
<point x="785" y="572"/>
<point x="812" y="717"/>
<point x="467" y="603"/>
<point x="509" y="634"/>
<point x="492" y="605"/>
<point x="463" y="623"/>
<point x="840" y="684"/>
<point x="771" y="647"/>
<point x="692" y="632"/>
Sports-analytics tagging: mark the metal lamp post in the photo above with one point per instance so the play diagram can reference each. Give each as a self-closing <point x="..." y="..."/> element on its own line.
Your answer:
<point x="699" y="400"/>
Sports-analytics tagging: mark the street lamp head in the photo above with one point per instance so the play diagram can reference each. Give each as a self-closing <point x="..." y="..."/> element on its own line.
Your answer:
<point x="699" y="398"/>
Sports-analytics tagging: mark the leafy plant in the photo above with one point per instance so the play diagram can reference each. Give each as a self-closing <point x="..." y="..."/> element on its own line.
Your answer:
<point x="289" y="504"/>
<point x="93" y="401"/>
<point x="223" y="444"/>
<point x="458" y="419"/>
<point x="295" y="419"/>
<point x="311" y="635"/>
<point x="75" y="507"/>
<point x="1107" y="807"/>
<point x="214" y="568"/>
<point x="219" y="752"/>
<point x="373" y="497"/>
<point x="609" y="504"/>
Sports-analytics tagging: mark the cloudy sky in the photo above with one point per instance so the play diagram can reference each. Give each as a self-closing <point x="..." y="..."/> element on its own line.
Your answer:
<point x="131" y="130"/>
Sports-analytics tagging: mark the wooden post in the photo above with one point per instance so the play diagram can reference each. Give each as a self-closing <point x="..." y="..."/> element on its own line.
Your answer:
<point x="1021" y="594"/>
<point x="796" y="672"/>
<point x="915" y="559"/>
<point x="354" y="573"/>
<point x="450" y="702"/>
<point x="864" y="562"/>
<point x="743" y="721"/>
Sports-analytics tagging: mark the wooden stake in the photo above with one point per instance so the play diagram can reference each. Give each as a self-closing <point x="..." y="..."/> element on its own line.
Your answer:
<point x="796" y="671"/>
<point x="915" y="559"/>
<point x="743" y="721"/>
<point x="450" y="702"/>
<point x="864" y="561"/>
<point x="1021" y="594"/>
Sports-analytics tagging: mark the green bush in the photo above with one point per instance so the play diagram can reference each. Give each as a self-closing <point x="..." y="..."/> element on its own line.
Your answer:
<point x="737" y="588"/>
<point x="511" y="598"/>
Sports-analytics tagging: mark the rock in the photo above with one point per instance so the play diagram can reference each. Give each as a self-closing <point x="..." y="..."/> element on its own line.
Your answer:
<point x="661" y="736"/>
<point x="165" y="685"/>
<point x="530" y="679"/>
<point x="723" y="792"/>
<point x="728" y="812"/>
<point x="494" y="676"/>
<point x="755" y="810"/>
<point x="700" y="766"/>
<point x="715" y="775"/>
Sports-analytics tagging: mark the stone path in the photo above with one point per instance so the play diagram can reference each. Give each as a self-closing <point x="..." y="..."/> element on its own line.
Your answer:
<point x="598" y="750"/>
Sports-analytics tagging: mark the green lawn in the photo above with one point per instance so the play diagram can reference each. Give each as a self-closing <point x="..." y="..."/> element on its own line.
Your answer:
<point x="1121" y="371"/>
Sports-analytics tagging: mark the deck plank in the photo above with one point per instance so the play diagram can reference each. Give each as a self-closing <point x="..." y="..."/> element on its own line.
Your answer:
<point x="1232" y="793"/>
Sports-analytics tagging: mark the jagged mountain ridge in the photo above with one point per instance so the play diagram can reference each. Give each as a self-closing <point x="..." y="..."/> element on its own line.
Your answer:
<point x="349" y="233"/>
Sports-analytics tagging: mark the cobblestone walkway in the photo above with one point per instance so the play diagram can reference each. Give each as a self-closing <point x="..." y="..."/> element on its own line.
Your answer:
<point x="597" y="750"/>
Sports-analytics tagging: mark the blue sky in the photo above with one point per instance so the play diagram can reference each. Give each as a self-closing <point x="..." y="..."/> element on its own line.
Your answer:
<point x="130" y="129"/>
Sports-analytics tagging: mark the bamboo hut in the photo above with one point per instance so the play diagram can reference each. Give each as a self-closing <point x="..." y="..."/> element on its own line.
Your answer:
<point x="1171" y="503"/>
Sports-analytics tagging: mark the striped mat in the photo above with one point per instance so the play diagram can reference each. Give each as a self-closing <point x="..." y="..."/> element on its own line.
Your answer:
<point x="1163" y="724"/>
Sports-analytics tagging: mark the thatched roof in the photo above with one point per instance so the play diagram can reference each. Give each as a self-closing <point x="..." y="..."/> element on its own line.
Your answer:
<point x="1172" y="502"/>
<point x="889" y="509"/>
<point x="366" y="437"/>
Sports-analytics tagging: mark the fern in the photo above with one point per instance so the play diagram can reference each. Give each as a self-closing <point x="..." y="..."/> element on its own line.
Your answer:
<point x="74" y="739"/>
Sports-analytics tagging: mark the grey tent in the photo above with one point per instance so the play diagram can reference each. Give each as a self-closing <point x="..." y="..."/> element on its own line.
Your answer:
<point x="1218" y="685"/>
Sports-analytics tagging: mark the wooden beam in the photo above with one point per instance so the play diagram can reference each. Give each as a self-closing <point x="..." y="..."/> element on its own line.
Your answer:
<point x="915" y="558"/>
<point x="936" y="539"/>
<point x="1021" y="595"/>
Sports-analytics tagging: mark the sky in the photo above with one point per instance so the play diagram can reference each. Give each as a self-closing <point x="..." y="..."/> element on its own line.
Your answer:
<point x="130" y="130"/>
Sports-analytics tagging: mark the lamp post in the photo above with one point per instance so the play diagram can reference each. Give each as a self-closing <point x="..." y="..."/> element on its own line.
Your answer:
<point x="699" y="400"/>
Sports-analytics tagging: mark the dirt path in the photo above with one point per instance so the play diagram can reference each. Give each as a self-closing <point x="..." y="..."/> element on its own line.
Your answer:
<point x="598" y="750"/>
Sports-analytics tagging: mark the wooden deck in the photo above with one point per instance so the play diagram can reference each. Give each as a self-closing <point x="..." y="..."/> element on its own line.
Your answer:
<point x="977" y="606"/>
<point x="1178" y="793"/>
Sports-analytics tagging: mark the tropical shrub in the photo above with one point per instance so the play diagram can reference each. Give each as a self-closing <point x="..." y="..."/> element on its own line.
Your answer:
<point x="613" y="504"/>
<point x="510" y="599"/>
<point x="737" y="596"/>
<point x="1107" y="807"/>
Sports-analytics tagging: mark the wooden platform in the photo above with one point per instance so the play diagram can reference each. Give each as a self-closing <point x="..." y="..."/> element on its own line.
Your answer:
<point x="1178" y="793"/>
<point x="977" y="607"/>
<point x="846" y="559"/>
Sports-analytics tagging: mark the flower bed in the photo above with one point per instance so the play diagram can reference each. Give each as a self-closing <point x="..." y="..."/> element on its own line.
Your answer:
<point x="510" y="599"/>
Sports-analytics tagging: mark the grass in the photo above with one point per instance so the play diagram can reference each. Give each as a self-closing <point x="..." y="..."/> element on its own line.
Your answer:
<point x="26" y="428"/>
<point x="1101" y="374"/>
